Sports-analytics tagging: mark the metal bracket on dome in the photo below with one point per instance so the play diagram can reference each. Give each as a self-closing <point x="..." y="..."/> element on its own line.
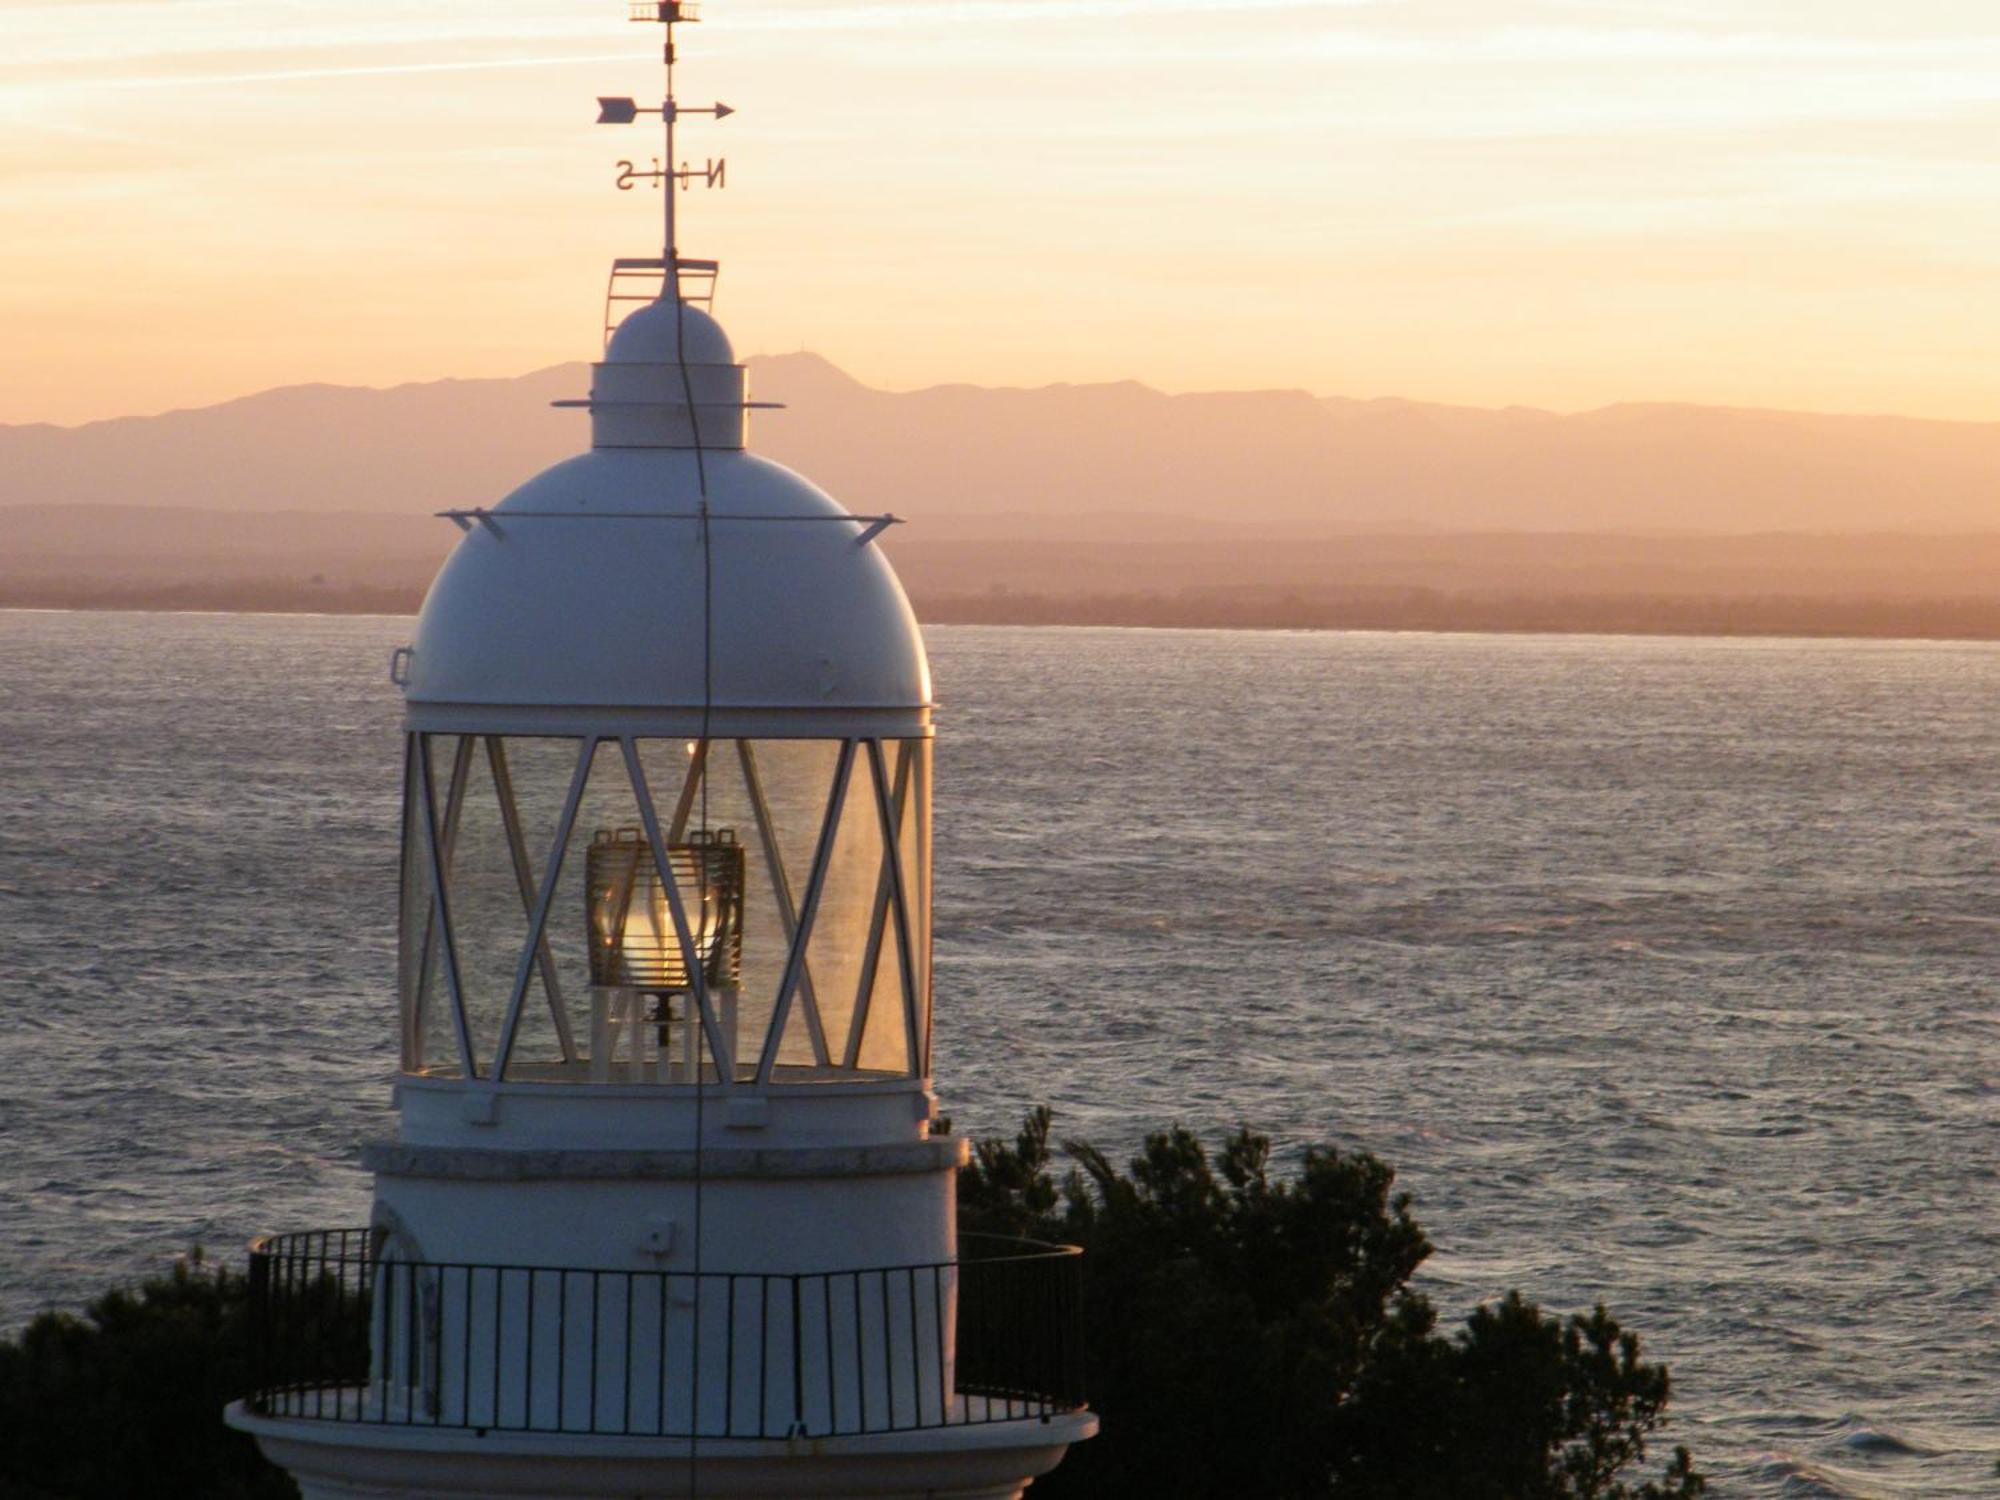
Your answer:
<point x="876" y="526"/>
<point x="464" y="519"/>
<point x="871" y="526"/>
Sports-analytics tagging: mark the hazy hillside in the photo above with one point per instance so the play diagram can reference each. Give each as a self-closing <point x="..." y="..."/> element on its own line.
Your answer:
<point x="1270" y="461"/>
<point x="410" y="449"/>
<point x="1109" y="503"/>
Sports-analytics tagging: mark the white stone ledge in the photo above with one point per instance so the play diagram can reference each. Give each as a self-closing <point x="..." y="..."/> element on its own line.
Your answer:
<point x="475" y="1164"/>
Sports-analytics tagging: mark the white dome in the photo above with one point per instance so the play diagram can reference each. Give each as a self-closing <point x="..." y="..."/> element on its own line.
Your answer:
<point x="581" y="604"/>
<point x="655" y="334"/>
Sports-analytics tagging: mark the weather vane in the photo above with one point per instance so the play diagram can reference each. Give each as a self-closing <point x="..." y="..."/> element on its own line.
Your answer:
<point x="664" y="170"/>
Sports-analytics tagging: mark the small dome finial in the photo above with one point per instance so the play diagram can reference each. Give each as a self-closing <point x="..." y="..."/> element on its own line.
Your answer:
<point x="665" y="332"/>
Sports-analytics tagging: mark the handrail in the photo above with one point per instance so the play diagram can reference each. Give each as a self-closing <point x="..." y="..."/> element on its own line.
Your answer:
<point x="359" y="1241"/>
<point x="344" y="1332"/>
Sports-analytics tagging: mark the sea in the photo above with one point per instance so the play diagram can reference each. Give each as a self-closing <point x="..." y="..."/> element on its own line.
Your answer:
<point x="1662" y="970"/>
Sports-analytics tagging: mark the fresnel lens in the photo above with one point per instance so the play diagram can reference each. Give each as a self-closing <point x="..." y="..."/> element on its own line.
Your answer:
<point x="641" y="974"/>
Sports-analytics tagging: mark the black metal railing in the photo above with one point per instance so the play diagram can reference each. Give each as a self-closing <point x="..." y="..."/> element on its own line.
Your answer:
<point x="345" y="1332"/>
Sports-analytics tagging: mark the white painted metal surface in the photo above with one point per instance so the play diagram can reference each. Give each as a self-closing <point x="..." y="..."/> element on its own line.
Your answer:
<point x="582" y="605"/>
<point x="365" y="1463"/>
<point x="656" y="334"/>
<point x="668" y="379"/>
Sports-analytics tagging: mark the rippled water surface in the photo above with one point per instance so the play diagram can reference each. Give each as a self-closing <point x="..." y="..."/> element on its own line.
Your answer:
<point x="1663" y="970"/>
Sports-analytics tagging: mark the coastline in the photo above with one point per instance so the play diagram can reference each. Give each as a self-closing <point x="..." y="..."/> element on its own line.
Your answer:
<point x="1416" y="610"/>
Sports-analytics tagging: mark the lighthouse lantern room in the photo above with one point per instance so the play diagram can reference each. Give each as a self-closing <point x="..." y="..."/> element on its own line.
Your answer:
<point x="664" y="1212"/>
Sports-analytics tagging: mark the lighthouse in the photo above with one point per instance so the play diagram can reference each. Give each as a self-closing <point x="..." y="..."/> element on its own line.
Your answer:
<point x="665" y="1211"/>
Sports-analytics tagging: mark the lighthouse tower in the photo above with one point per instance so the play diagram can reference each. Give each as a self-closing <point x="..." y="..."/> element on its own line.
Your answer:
<point x="664" y="1213"/>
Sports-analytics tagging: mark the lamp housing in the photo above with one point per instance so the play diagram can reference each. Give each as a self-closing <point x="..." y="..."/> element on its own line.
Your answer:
<point x="633" y="940"/>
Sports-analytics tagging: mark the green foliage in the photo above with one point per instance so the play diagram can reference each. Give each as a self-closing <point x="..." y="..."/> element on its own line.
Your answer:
<point x="125" y="1402"/>
<point x="1517" y="1406"/>
<point x="1258" y="1337"/>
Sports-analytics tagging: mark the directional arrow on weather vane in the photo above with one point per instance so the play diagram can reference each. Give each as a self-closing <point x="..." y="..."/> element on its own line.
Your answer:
<point x="625" y="111"/>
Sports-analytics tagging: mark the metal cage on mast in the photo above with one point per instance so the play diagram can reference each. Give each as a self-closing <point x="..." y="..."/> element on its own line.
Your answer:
<point x="668" y="12"/>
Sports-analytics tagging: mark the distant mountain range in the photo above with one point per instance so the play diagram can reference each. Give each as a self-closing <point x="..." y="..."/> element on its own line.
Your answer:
<point x="1269" y="460"/>
<point x="1242" y="506"/>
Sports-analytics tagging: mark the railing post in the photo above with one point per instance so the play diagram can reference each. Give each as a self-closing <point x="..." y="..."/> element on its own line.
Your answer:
<point x="260" y="1329"/>
<point x="1077" y="1339"/>
<point x="798" y="1366"/>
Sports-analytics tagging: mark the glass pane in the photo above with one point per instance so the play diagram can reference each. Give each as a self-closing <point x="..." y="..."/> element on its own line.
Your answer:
<point x="795" y="777"/>
<point x="704" y="795"/>
<point x="770" y="796"/>
<point x="542" y="771"/>
<point x="843" y="922"/>
<point x="427" y="1044"/>
<point x="438" y="1054"/>
<point x="883" y="1041"/>
<point x="790" y="781"/>
<point x="498" y="805"/>
<point x="531" y="777"/>
<point x="489" y="922"/>
<point x="884" y="1030"/>
<point x="914" y="758"/>
<point x="435" y="1031"/>
<point x="612" y="1044"/>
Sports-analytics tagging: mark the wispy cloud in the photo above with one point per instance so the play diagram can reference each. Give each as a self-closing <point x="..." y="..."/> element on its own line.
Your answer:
<point x="923" y="14"/>
<point x="361" y="70"/>
<point x="1516" y="45"/>
<point x="122" y="34"/>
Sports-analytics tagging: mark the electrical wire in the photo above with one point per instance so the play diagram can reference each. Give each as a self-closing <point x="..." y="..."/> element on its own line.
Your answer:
<point x="699" y="1031"/>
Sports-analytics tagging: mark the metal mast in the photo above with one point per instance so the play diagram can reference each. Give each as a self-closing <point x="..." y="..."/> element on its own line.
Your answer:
<point x="666" y="174"/>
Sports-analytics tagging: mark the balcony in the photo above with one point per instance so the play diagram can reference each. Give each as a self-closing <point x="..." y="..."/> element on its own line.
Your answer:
<point x="345" y="1334"/>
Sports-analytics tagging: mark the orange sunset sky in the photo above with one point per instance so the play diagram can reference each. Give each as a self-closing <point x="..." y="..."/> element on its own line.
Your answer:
<point x="1552" y="202"/>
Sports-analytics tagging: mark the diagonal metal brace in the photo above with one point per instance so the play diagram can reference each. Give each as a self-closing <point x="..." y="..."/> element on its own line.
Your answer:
<point x="464" y="520"/>
<point x="875" y="527"/>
